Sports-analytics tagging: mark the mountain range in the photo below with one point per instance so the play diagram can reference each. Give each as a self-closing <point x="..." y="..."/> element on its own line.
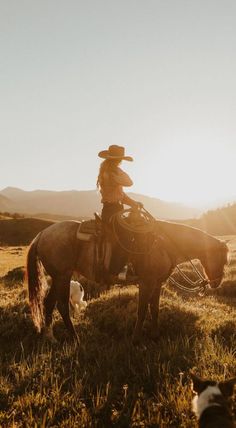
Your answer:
<point x="74" y="203"/>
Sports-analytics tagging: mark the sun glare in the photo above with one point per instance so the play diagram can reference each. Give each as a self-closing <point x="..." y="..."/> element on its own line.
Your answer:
<point x="191" y="174"/>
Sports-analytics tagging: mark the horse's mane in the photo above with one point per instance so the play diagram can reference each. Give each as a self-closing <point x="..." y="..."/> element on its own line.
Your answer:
<point x="167" y="227"/>
<point x="180" y="233"/>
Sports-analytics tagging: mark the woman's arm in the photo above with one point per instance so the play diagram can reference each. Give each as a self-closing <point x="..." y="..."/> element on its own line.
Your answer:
<point x="120" y="177"/>
<point x="131" y="202"/>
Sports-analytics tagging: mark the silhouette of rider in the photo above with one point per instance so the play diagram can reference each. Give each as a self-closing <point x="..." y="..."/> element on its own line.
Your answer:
<point x="111" y="180"/>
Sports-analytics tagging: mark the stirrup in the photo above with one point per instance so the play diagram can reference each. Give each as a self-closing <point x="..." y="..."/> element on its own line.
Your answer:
<point x="123" y="274"/>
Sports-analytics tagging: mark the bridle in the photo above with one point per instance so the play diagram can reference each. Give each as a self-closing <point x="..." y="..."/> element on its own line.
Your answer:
<point x="199" y="286"/>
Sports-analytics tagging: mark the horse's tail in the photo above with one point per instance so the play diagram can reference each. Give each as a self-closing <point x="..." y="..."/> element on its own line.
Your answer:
<point x="36" y="285"/>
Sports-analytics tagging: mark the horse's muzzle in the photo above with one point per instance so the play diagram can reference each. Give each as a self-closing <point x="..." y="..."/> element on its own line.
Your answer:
<point x="215" y="283"/>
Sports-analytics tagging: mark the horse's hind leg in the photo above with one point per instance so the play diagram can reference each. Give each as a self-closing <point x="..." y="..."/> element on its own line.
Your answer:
<point x="63" y="296"/>
<point x="49" y="305"/>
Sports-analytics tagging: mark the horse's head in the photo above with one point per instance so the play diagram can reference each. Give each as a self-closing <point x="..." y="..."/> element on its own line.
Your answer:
<point x="214" y="260"/>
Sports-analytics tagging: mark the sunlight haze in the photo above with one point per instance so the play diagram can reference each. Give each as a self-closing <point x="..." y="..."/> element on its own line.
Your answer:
<point x="157" y="77"/>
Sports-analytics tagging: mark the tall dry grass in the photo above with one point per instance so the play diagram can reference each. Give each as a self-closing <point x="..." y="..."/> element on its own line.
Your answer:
<point x="107" y="382"/>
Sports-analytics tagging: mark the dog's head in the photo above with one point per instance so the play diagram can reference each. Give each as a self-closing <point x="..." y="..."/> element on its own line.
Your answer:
<point x="226" y="387"/>
<point x="210" y="393"/>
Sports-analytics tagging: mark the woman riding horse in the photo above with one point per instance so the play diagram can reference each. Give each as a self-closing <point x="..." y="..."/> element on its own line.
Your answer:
<point x="111" y="180"/>
<point x="58" y="251"/>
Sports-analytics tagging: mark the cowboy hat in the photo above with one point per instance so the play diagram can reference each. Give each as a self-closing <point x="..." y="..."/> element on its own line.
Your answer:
<point x="114" y="152"/>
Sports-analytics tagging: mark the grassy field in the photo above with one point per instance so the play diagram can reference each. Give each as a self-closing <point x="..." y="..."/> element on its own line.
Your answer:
<point x="107" y="382"/>
<point x="11" y="258"/>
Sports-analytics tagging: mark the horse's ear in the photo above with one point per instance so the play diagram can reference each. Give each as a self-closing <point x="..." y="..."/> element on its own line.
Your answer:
<point x="227" y="387"/>
<point x="197" y="383"/>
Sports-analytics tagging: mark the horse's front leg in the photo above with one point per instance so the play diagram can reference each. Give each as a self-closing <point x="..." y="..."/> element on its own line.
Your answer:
<point x="154" y="309"/>
<point x="145" y="290"/>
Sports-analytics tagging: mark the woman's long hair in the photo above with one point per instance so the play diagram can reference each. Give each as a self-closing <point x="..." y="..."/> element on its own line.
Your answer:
<point x="108" y="165"/>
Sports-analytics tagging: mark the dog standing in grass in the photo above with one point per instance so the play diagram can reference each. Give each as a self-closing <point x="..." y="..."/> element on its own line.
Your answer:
<point x="211" y="404"/>
<point x="76" y="297"/>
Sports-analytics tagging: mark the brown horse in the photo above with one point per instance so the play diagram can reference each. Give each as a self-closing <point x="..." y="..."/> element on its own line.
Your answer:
<point x="58" y="250"/>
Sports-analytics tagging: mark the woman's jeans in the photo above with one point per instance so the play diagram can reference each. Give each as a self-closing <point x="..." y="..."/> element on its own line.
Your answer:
<point x="118" y="258"/>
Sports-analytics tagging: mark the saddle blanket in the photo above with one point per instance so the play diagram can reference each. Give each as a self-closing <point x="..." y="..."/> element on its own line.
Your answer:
<point x="87" y="229"/>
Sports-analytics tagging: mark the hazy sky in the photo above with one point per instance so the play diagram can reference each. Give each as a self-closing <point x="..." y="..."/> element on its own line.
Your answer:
<point x="157" y="76"/>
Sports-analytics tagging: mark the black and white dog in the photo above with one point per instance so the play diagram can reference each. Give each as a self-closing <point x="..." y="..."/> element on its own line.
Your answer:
<point x="211" y="403"/>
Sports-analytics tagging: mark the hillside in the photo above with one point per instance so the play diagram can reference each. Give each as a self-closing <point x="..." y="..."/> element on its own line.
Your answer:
<point x="5" y="204"/>
<point x="78" y="205"/>
<point x="20" y="231"/>
<point x="84" y="203"/>
<point x="221" y="221"/>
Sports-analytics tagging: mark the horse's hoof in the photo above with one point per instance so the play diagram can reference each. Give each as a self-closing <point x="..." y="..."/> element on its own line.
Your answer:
<point x="50" y="339"/>
<point x="47" y="335"/>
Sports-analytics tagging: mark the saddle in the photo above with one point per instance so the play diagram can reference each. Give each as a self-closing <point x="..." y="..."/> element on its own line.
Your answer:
<point x="93" y="230"/>
<point x="89" y="228"/>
